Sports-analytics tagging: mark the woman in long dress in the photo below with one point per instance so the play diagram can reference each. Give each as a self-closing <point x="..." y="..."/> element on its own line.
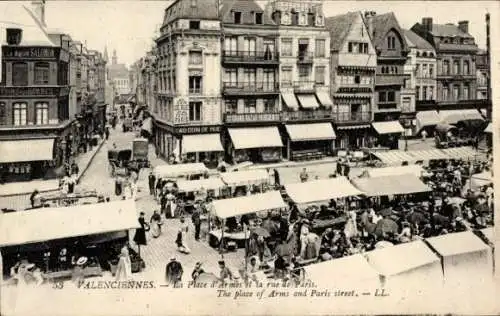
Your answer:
<point x="124" y="267"/>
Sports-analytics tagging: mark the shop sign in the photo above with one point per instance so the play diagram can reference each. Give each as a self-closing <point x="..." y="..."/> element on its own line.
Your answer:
<point x="181" y="112"/>
<point x="28" y="91"/>
<point x="29" y="52"/>
<point x="198" y="130"/>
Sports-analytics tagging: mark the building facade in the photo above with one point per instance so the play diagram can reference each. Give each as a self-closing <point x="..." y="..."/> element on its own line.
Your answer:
<point x="119" y="76"/>
<point x="250" y="83"/>
<point x="304" y="81"/>
<point x="188" y="117"/>
<point x="352" y="78"/>
<point x="482" y="73"/>
<point x="34" y="106"/>
<point x="392" y="92"/>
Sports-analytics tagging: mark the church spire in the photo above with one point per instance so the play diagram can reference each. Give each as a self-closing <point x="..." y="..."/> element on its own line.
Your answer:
<point x="106" y="57"/>
<point x="115" y="58"/>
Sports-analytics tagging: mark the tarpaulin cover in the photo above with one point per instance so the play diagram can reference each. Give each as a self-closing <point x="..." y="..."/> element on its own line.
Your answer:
<point x="391" y="185"/>
<point x="321" y="190"/>
<point x="248" y="204"/>
<point x="173" y="171"/>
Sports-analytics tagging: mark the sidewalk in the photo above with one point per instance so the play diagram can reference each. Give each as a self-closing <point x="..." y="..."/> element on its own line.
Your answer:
<point x="25" y="188"/>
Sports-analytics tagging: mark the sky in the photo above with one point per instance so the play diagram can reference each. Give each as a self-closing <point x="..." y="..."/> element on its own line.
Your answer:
<point x="129" y="26"/>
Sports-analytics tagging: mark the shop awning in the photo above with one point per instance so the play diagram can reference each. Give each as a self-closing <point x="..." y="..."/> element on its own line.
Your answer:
<point x="357" y="95"/>
<point x="349" y="268"/>
<point x="26" y="150"/>
<point x="46" y="224"/>
<point x="308" y="101"/>
<point x="392" y="157"/>
<point x="325" y="99"/>
<point x="465" y="153"/>
<point x="404" y="257"/>
<point x="321" y="190"/>
<point x="201" y="143"/>
<point x="174" y="171"/>
<point x="290" y="100"/>
<point x="391" y="185"/>
<point x="351" y="127"/>
<point x="196" y="185"/>
<point x="255" y="137"/>
<point x="147" y="125"/>
<point x="25" y="187"/>
<point x="489" y="128"/>
<point x="307" y="132"/>
<point x="454" y="116"/>
<point x="248" y="204"/>
<point x="428" y="154"/>
<point x="391" y="127"/>
<point x="457" y="244"/>
<point x="247" y="177"/>
<point x="414" y="170"/>
<point x="427" y="118"/>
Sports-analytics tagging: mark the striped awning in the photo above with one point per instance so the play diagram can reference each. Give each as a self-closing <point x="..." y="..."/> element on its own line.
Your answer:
<point x="394" y="157"/>
<point x="465" y="153"/>
<point x="351" y="127"/>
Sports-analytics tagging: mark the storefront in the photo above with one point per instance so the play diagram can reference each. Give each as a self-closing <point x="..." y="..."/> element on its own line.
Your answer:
<point x="52" y="250"/>
<point x="309" y="141"/>
<point x="388" y="133"/>
<point x="206" y="148"/>
<point x="255" y="144"/>
<point x="352" y="136"/>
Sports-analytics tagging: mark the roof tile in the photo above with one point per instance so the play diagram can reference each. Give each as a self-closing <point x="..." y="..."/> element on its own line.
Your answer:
<point x="339" y="27"/>
<point x="417" y="41"/>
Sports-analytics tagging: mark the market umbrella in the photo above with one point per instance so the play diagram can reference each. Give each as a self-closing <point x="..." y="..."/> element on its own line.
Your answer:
<point x="386" y="225"/>
<point x="261" y="231"/>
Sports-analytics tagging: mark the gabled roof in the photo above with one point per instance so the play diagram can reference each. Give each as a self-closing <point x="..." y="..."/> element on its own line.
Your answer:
<point x="339" y="27"/>
<point x="18" y="16"/>
<point x="448" y="30"/>
<point x="182" y="9"/>
<point x="382" y="24"/>
<point x="247" y="9"/>
<point x="417" y="41"/>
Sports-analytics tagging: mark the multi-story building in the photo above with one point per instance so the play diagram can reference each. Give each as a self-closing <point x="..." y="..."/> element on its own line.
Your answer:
<point x="188" y="118"/>
<point x="35" y="126"/>
<point x="456" y="68"/>
<point x="304" y="80"/>
<point x="352" y="78"/>
<point x="482" y="73"/>
<point x="96" y="84"/>
<point x="250" y="85"/>
<point x="119" y="76"/>
<point x="391" y="82"/>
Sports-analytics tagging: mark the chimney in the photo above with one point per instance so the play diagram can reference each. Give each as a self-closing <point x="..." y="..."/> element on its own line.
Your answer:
<point x="369" y="21"/>
<point x="427" y="24"/>
<point x="39" y="10"/>
<point x="463" y="26"/>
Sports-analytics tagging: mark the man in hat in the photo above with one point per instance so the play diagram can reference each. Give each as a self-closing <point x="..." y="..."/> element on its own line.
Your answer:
<point x="151" y="182"/>
<point x="173" y="271"/>
<point x="197" y="271"/>
<point x="225" y="273"/>
<point x="140" y="233"/>
<point x="196" y="218"/>
<point x="304" y="176"/>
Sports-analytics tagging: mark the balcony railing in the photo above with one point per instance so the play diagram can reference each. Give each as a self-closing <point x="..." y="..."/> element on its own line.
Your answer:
<point x="250" y="57"/>
<point x="307" y="115"/>
<point x="352" y="117"/>
<point x="304" y="86"/>
<point x="250" y="87"/>
<point x="251" y="117"/>
<point x="305" y="57"/>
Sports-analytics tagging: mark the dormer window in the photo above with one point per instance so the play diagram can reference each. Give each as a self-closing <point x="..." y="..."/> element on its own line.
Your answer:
<point x="14" y="36"/>
<point x="258" y="18"/>
<point x="237" y="17"/>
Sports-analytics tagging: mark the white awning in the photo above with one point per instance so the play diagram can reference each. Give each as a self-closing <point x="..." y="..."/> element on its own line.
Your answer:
<point x="325" y="99"/>
<point x="391" y="127"/>
<point x="290" y="100"/>
<point x="391" y="185"/>
<point x="256" y="137"/>
<point x="457" y="244"/>
<point x="454" y="116"/>
<point x="14" y="188"/>
<point x="196" y="185"/>
<point x="392" y="157"/>
<point x="308" y="101"/>
<point x="248" y="204"/>
<point x="427" y="118"/>
<point x="428" y="154"/>
<point x="489" y="128"/>
<point x="320" y="190"/>
<point x="46" y="224"/>
<point x="466" y="153"/>
<point x="201" y="143"/>
<point x="415" y="170"/>
<point x="247" y="177"/>
<point x="174" y="171"/>
<point x="315" y="131"/>
<point x="147" y="125"/>
<point x="26" y="150"/>
<point x="404" y="257"/>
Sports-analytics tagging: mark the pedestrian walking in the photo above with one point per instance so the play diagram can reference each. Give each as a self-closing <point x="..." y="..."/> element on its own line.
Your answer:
<point x="424" y="135"/>
<point x="34" y="198"/>
<point x="347" y="170"/>
<point x="140" y="233"/>
<point x="197" y="271"/>
<point x="107" y="132"/>
<point x="124" y="267"/>
<point x="173" y="272"/>
<point x="304" y="176"/>
<point x="196" y="218"/>
<point x="181" y="240"/>
<point x="225" y="273"/>
<point x="276" y="177"/>
<point x="339" y="167"/>
<point x="151" y="180"/>
<point x="74" y="168"/>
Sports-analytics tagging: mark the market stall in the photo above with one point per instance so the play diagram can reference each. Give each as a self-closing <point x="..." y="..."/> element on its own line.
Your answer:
<point x="242" y="181"/>
<point x="394" y="157"/>
<point x="415" y="170"/>
<point x="321" y="190"/>
<point x="230" y="208"/>
<point x="210" y="185"/>
<point x="466" y="259"/>
<point x="175" y="171"/>
<point x="465" y="153"/>
<point x="94" y="232"/>
<point x="352" y="272"/>
<point x="406" y="267"/>
<point x="391" y="185"/>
